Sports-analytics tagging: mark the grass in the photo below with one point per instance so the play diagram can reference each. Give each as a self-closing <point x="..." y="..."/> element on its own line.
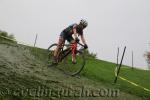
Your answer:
<point x="31" y="72"/>
<point x="103" y="72"/>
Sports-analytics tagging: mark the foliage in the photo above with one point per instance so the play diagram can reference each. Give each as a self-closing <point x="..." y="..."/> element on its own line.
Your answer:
<point x="5" y="34"/>
<point x="11" y="36"/>
<point x="92" y="55"/>
<point x="147" y="55"/>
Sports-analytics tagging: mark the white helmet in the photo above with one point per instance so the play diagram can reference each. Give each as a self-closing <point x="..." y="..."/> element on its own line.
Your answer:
<point x="84" y="23"/>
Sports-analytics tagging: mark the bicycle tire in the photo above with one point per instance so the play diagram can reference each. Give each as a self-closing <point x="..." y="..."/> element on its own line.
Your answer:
<point x="50" y="51"/>
<point x="75" y="68"/>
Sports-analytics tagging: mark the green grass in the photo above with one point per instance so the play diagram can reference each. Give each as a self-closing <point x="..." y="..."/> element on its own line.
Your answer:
<point x="6" y="40"/>
<point x="31" y="72"/>
<point x="103" y="72"/>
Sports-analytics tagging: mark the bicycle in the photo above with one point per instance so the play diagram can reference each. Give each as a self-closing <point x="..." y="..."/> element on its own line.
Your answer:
<point x="64" y="58"/>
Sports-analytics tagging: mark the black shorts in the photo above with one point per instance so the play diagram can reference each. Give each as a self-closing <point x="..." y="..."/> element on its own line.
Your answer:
<point x="67" y="37"/>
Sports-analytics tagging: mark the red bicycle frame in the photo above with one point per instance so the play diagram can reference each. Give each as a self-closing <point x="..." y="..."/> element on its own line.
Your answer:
<point x="73" y="47"/>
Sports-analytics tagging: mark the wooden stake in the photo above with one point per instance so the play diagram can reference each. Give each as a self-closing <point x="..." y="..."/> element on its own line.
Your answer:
<point x="132" y="60"/>
<point x="35" y="40"/>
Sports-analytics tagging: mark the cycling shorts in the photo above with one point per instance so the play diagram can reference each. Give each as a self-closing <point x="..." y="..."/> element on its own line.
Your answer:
<point x="67" y="37"/>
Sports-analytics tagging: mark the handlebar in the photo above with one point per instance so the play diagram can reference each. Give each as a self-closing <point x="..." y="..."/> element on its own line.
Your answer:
<point x="80" y="44"/>
<point x="77" y="43"/>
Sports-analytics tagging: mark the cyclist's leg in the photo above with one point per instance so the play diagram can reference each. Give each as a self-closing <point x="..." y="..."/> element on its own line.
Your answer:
<point x="56" y="52"/>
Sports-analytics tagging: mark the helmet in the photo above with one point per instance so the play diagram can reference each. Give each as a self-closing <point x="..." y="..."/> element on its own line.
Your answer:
<point x="84" y="23"/>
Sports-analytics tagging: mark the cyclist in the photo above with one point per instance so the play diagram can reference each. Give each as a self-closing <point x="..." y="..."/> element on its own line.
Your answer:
<point x="67" y="34"/>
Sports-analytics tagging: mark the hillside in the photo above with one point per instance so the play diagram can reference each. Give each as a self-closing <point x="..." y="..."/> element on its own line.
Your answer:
<point x="24" y="71"/>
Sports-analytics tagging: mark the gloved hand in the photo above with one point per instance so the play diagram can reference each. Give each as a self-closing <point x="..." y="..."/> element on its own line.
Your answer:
<point x="77" y="40"/>
<point x="85" y="46"/>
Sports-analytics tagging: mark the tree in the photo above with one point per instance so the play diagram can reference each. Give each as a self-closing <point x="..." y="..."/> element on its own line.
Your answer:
<point x="92" y="55"/>
<point x="148" y="58"/>
<point x="11" y="36"/>
<point x="5" y="34"/>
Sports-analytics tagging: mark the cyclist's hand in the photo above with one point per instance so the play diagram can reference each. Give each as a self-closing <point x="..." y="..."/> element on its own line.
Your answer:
<point x="85" y="46"/>
<point x="77" y="40"/>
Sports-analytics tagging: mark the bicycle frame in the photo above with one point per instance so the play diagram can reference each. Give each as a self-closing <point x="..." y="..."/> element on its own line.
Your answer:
<point x="72" y="48"/>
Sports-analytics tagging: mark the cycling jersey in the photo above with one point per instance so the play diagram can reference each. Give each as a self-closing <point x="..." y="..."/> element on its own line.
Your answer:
<point x="67" y="33"/>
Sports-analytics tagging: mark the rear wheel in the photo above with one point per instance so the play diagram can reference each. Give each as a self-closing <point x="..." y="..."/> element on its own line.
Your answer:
<point x="51" y="50"/>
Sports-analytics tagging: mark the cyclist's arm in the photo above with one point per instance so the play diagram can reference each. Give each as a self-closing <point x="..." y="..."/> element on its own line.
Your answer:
<point x="83" y="39"/>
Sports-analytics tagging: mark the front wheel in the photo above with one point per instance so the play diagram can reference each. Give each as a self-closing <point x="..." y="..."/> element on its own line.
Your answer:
<point x="70" y="68"/>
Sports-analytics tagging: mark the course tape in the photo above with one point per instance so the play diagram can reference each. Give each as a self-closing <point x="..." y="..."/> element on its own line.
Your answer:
<point x="134" y="84"/>
<point x="116" y="69"/>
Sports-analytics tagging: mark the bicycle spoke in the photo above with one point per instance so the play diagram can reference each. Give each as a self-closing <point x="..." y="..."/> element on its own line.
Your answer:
<point x="70" y="68"/>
